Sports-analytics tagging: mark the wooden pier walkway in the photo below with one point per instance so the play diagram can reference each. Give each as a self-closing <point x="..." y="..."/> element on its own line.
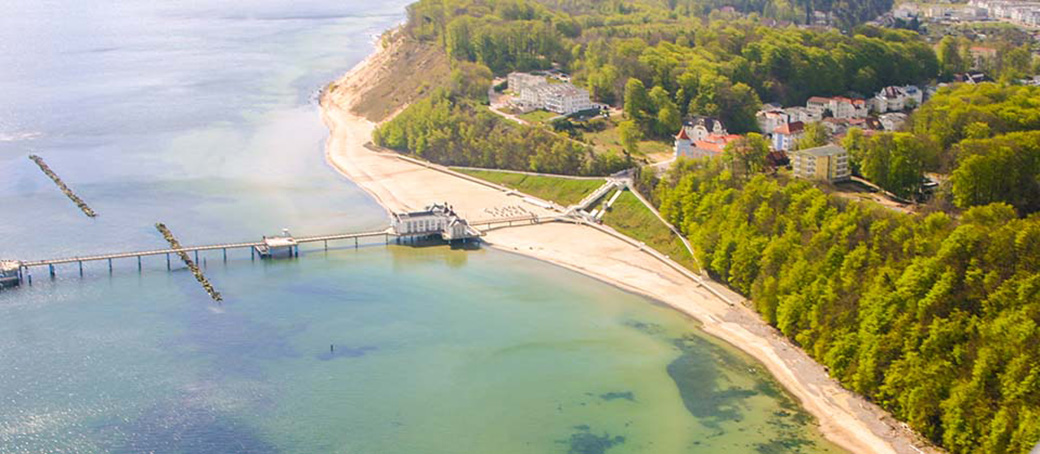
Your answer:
<point x="210" y="247"/>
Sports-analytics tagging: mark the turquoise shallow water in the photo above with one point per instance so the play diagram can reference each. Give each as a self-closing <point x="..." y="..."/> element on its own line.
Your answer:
<point x="202" y="117"/>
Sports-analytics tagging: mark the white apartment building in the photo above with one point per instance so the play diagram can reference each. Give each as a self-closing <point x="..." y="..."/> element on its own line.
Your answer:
<point x="535" y="92"/>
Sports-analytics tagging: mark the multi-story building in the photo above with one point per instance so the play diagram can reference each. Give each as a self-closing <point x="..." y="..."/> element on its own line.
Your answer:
<point x="785" y="136"/>
<point x="535" y="92"/>
<point x="827" y="163"/>
<point x="566" y="99"/>
<point x="518" y="82"/>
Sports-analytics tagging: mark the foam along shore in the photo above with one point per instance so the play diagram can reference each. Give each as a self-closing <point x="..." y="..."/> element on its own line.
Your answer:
<point x="844" y="418"/>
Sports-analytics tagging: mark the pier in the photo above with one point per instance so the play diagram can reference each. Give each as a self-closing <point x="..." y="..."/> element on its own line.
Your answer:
<point x="437" y="221"/>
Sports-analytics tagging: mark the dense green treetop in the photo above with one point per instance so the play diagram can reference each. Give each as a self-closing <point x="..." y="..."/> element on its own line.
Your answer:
<point x="934" y="318"/>
<point x="450" y="130"/>
<point x="720" y="67"/>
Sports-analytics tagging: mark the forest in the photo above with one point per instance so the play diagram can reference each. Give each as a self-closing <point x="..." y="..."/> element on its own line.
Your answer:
<point x="716" y="65"/>
<point x="451" y="131"/>
<point x="986" y="137"/>
<point x="934" y="318"/>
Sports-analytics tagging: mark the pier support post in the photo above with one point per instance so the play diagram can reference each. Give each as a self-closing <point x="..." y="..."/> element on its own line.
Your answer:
<point x="30" y="279"/>
<point x="355" y="243"/>
<point x="326" y="245"/>
<point x="196" y="256"/>
<point x="139" y="264"/>
<point x="80" y="268"/>
<point x="51" y="267"/>
<point x="225" y="255"/>
<point x="168" y="262"/>
<point x="109" y="266"/>
<point x="252" y="254"/>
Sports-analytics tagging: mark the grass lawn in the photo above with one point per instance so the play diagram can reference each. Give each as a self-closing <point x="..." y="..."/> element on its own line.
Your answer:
<point x="564" y="191"/>
<point x="609" y="140"/>
<point x="629" y="216"/>
<point x="537" y="116"/>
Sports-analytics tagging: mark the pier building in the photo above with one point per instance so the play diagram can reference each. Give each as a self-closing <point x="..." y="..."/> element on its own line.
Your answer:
<point x="283" y="245"/>
<point x="436" y="220"/>
<point x="10" y="273"/>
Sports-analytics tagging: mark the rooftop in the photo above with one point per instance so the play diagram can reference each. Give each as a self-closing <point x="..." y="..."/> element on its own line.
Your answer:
<point x="790" y="128"/>
<point x="826" y="150"/>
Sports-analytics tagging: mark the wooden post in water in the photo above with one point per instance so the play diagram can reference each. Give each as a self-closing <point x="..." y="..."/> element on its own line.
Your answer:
<point x="355" y="243"/>
<point x="196" y="256"/>
<point x="80" y="268"/>
<point x="139" y="264"/>
<point x="225" y="255"/>
<point x="51" y="267"/>
<point x="109" y="266"/>
<point x="168" y="261"/>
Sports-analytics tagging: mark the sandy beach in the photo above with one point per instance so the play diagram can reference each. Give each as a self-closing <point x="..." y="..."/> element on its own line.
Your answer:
<point x="844" y="418"/>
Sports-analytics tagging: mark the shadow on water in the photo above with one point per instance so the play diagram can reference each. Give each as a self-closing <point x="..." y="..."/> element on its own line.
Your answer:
<point x="336" y="352"/>
<point x="583" y="441"/>
<point x="455" y="255"/>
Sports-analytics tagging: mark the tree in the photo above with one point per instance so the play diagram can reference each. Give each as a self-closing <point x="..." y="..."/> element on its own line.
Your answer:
<point x="630" y="136"/>
<point x="667" y="120"/>
<point x="747" y="154"/>
<point x="816" y="135"/>
<point x="950" y="58"/>
<point x="638" y="106"/>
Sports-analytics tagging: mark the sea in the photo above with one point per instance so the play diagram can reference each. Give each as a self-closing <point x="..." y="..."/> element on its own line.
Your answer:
<point x="202" y="115"/>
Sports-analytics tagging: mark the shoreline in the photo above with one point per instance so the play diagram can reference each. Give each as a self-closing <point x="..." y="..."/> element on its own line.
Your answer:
<point x="843" y="418"/>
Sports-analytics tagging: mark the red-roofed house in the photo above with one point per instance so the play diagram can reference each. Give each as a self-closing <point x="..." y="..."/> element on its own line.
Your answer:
<point x="785" y="136"/>
<point x="710" y="146"/>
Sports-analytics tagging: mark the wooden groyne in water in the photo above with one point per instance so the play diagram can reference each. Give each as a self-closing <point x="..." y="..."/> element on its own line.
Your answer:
<point x="61" y="185"/>
<point x="213" y="293"/>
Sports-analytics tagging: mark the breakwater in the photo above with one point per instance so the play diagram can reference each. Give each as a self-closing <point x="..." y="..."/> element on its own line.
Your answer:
<point x="213" y="293"/>
<point x="64" y="188"/>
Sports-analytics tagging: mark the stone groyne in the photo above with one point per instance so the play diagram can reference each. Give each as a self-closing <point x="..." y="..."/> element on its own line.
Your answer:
<point x="64" y="188"/>
<point x="213" y="293"/>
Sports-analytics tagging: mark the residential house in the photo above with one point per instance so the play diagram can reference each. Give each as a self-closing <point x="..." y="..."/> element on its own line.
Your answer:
<point x="768" y="120"/>
<point x="699" y="128"/>
<point x="893" y="121"/>
<point x="827" y="163"/>
<point x="709" y="146"/>
<point x="785" y="136"/>
<point x="896" y="99"/>
<point x="802" y="114"/>
<point x="838" y="106"/>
